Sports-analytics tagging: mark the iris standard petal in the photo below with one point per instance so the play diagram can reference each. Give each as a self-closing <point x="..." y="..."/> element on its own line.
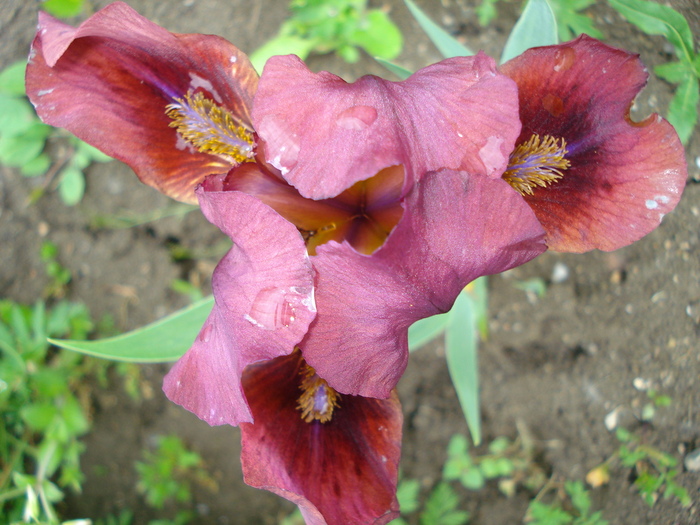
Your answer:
<point x="264" y="302"/>
<point x="342" y="472"/>
<point x="455" y="228"/>
<point x="623" y="175"/>
<point x="110" y="81"/>
<point x="459" y="113"/>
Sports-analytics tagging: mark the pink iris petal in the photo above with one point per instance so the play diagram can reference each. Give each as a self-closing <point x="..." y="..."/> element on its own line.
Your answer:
<point x="109" y="82"/>
<point x="459" y="114"/>
<point x="264" y="298"/>
<point x="342" y="472"/>
<point x="624" y="176"/>
<point x="455" y="228"/>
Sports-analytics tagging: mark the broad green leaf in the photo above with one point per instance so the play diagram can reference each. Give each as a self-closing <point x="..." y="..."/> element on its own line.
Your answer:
<point x="425" y="330"/>
<point x="683" y="109"/>
<point x="378" y="35"/>
<point x="448" y="45"/>
<point x="535" y="27"/>
<point x="162" y="341"/>
<point x="12" y="79"/>
<point x="281" y="45"/>
<point x="657" y="19"/>
<point x="72" y="186"/>
<point x="479" y="292"/>
<point x="399" y="71"/>
<point x="461" y="353"/>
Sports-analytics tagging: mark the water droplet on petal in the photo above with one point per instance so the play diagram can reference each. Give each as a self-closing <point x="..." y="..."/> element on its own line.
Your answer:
<point x="275" y="308"/>
<point x="357" y="118"/>
<point x="553" y="104"/>
<point x="282" y="145"/>
<point x="491" y="155"/>
<point x="564" y="59"/>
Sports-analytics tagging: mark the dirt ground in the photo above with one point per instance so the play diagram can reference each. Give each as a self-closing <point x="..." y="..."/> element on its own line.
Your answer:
<point x="555" y="365"/>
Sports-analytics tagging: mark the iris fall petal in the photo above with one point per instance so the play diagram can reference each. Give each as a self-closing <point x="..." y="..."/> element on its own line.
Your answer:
<point x="342" y="472"/>
<point x="264" y="296"/>
<point x="109" y="82"/>
<point x="623" y="175"/>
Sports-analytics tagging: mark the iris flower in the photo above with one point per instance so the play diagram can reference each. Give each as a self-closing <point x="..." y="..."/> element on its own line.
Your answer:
<point x="594" y="177"/>
<point x="354" y="210"/>
<point x="399" y="179"/>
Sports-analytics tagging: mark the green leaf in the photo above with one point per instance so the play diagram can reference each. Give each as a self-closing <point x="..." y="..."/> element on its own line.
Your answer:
<point x="440" y="508"/>
<point x="71" y="188"/>
<point x="399" y="71"/>
<point x="579" y="496"/>
<point x="18" y="150"/>
<point x="461" y="353"/>
<point x="535" y="285"/>
<point x="673" y="72"/>
<point x="535" y="27"/>
<point x="571" y="23"/>
<point x="16" y="115"/>
<point x="63" y="8"/>
<point x="378" y="35"/>
<point x="407" y="494"/>
<point x="479" y="292"/>
<point x="683" y="109"/>
<point x="657" y="19"/>
<point x="74" y="417"/>
<point x="472" y="479"/>
<point x="39" y="415"/>
<point x="425" y="330"/>
<point x="542" y="514"/>
<point x="446" y="43"/>
<point x="12" y="79"/>
<point x="486" y="12"/>
<point x="162" y="341"/>
<point x="39" y="165"/>
<point x="281" y="45"/>
<point x="458" y="446"/>
<point x="499" y="445"/>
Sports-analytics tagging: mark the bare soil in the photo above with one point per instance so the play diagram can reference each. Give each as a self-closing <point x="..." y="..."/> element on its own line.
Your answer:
<point x="554" y="366"/>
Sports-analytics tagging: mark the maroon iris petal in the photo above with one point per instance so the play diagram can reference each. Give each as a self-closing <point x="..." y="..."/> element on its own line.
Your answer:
<point x="455" y="228"/>
<point x="342" y="472"/>
<point x="264" y="295"/>
<point x="324" y="134"/>
<point x="109" y="82"/>
<point x="624" y="176"/>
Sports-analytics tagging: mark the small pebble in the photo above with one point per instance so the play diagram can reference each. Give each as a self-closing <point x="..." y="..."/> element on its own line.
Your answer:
<point x="692" y="461"/>
<point x="612" y="419"/>
<point x="641" y="384"/>
<point x="659" y="297"/>
<point x="693" y="311"/>
<point x="560" y="273"/>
